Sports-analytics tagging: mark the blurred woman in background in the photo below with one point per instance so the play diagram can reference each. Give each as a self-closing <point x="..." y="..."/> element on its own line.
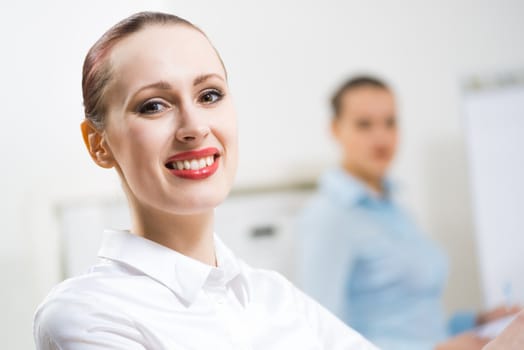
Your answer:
<point x="361" y="254"/>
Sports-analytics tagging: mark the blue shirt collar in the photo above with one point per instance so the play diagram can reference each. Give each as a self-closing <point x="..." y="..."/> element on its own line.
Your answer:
<point x="349" y="190"/>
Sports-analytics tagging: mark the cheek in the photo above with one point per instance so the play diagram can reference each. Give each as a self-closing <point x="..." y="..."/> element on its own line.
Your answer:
<point x="225" y="130"/>
<point x="139" y="144"/>
<point x="147" y="133"/>
<point x="392" y="139"/>
<point x="233" y="139"/>
<point x="357" y="142"/>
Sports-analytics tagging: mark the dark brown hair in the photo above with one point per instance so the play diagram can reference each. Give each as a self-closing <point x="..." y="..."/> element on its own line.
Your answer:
<point x="352" y="84"/>
<point x="96" y="73"/>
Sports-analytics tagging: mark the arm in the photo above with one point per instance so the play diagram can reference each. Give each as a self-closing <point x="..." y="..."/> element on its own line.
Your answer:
<point x="77" y="325"/>
<point x="466" y="321"/>
<point x="512" y="338"/>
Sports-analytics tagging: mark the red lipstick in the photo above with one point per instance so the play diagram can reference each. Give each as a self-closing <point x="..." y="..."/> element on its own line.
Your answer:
<point x="194" y="165"/>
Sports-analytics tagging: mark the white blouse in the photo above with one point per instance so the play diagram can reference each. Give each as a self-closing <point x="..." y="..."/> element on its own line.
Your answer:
<point x="143" y="295"/>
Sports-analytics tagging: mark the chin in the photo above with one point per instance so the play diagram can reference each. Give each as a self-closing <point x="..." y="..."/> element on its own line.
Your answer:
<point x="189" y="197"/>
<point x="381" y="167"/>
<point x="198" y="201"/>
<point x="378" y="172"/>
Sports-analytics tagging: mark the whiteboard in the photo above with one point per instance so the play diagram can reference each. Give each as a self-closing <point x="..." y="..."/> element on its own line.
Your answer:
<point x="494" y="126"/>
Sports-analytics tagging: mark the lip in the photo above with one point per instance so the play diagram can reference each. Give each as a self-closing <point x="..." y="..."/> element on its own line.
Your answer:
<point x="201" y="153"/>
<point x="195" y="174"/>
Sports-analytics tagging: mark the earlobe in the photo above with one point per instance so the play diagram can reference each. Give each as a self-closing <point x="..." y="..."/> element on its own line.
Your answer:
<point x="96" y="145"/>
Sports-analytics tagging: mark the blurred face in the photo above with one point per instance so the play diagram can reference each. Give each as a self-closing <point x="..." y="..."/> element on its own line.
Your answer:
<point x="171" y="125"/>
<point x="366" y="130"/>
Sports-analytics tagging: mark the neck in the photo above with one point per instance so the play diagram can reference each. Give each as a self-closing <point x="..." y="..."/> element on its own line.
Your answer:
<point x="191" y="235"/>
<point x="374" y="183"/>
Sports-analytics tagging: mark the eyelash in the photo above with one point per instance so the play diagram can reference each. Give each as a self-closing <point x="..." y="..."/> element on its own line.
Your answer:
<point x="142" y="108"/>
<point x="216" y="92"/>
<point x="218" y="95"/>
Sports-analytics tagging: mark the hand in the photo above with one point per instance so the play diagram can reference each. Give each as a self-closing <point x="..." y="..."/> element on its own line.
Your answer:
<point x="495" y="314"/>
<point x="464" y="341"/>
<point x="512" y="338"/>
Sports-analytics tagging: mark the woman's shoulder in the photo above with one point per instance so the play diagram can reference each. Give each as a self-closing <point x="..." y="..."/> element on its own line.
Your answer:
<point x="66" y="302"/>
<point x="77" y="304"/>
<point x="72" y="292"/>
<point x="104" y="274"/>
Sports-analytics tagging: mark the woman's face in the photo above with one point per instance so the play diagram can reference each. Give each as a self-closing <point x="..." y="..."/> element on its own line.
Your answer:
<point x="171" y="125"/>
<point x="366" y="130"/>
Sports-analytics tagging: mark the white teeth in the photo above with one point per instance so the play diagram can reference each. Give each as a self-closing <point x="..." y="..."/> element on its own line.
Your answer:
<point x="194" y="164"/>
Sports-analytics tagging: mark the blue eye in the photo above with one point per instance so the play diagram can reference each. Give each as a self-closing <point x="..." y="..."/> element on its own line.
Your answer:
<point x="152" y="107"/>
<point x="211" y="96"/>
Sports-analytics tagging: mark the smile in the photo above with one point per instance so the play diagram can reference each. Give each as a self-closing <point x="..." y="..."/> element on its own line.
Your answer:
<point x="194" y="165"/>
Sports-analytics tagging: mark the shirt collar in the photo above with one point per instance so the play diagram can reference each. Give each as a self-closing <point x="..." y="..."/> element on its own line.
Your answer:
<point x="183" y="275"/>
<point x="349" y="190"/>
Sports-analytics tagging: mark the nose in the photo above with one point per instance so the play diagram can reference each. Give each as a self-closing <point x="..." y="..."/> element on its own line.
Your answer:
<point x="382" y="132"/>
<point x="191" y="129"/>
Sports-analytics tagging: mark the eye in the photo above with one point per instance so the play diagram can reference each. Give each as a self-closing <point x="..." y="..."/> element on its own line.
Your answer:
<point x="363" y="124"/>
<point x="153" y="107"/>
<point x="210" y="96"/>
<point x="391" y="123"/>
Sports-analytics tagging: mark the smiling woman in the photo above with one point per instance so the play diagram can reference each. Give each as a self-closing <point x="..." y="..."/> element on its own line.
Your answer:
<point x="158" y="110"/>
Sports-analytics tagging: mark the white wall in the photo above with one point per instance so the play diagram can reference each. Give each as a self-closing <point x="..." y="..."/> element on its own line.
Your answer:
<point x="284" y="58"/>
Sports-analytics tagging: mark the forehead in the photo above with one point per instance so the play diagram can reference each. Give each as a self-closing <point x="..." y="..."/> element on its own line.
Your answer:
<point x="171" y="52"/>
<point x="369" y="100"/>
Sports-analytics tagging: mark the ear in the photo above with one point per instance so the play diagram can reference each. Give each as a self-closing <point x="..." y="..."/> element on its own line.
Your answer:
<point x="96" y="144"/>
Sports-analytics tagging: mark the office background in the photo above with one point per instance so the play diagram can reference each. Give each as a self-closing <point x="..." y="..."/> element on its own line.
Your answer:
<point x="284" y="59"/>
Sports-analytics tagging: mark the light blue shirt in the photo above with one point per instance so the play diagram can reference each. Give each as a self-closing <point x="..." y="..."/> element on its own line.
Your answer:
<point x="363" y="257"/>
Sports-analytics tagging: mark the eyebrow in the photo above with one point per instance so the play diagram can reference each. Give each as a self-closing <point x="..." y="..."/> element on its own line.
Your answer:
<point x="164" y="85"/>
<point x="202" y="78"/>
<point x="161" y="85"/>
